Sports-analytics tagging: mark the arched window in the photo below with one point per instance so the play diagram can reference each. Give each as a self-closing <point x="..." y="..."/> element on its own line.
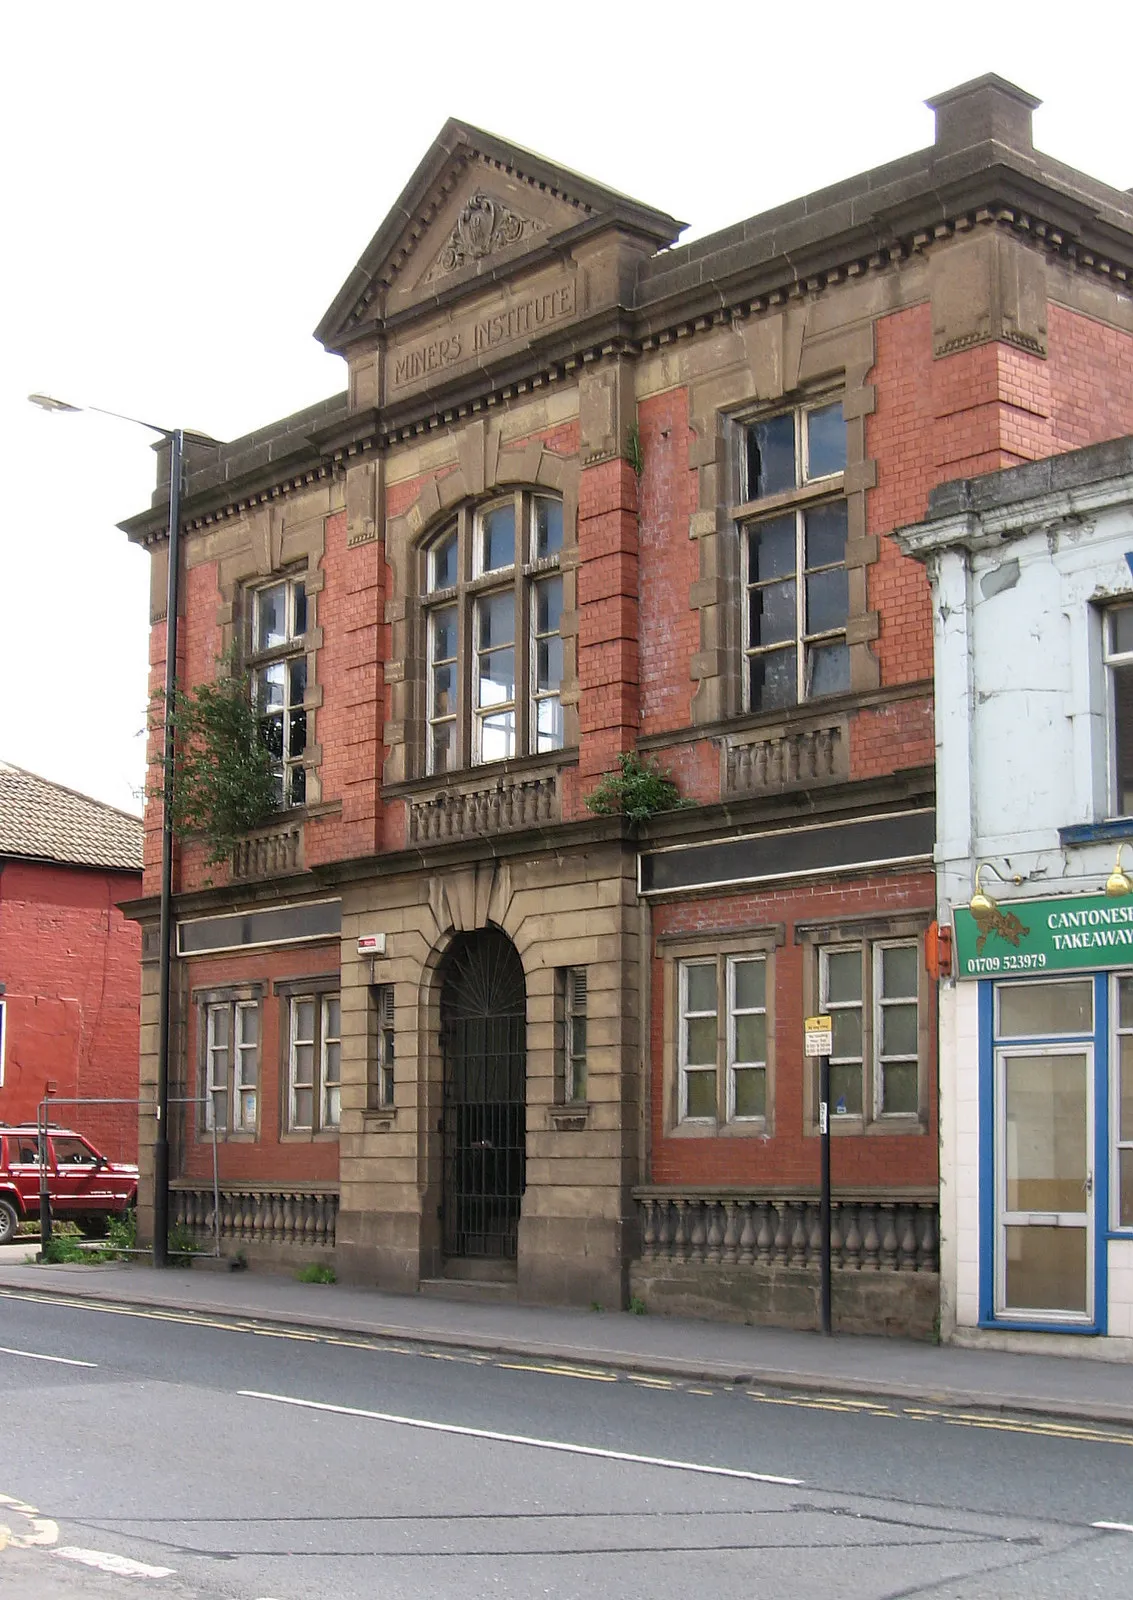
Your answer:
<point x="493" y="607"/>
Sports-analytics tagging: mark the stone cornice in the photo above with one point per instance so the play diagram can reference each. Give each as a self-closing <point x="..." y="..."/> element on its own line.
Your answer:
<point x="745" y="272"/>
<point x="983" y="530"/>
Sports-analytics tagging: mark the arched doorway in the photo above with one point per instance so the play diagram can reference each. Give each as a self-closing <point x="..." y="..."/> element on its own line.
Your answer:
<point x="484" y="1123"/>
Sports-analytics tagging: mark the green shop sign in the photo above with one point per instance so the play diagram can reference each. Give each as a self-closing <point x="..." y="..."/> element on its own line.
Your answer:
<point x="1044" y="936"/>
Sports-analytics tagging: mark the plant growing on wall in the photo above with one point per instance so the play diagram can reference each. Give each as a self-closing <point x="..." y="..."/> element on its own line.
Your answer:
<point x="638" y="790"/>
<point x="224" y="779"/>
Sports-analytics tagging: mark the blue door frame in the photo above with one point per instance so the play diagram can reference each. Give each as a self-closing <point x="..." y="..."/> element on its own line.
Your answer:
<point x="1100" y="1041"/>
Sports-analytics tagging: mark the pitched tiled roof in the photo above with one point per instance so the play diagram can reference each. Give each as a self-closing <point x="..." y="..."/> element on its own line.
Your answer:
<point x="44" y="821"/>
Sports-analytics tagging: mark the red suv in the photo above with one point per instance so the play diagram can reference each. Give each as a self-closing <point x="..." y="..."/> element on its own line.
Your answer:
<point x="84" y="1187"/>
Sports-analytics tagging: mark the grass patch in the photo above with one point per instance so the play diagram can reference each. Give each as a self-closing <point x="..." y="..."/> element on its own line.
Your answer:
<point x="316" y="1272"/>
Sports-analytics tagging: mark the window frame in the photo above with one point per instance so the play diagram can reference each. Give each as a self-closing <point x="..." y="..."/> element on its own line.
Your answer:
<point x="291" y="765"/>
<point x="1114" y="660"/>
<point x="382" y="1077"/>
<point x="867" y="937"/>
<point x="723" y="950"/>
<point x="318" y="991"/>
<point x="476" y="585"/>
<point x="234" y="1003"/>
<point x="807" y="494"/>
<point x="1117" y="1225"/>
<point x="571" y="1036"/>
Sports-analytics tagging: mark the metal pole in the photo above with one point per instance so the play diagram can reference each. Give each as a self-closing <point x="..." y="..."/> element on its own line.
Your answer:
<point x="44" y="1191"/>
<point x="824" y="1210"/>
<point x="161" y="1109"/>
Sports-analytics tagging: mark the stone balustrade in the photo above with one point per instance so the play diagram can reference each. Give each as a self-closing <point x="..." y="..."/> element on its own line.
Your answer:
<point x="867" y="1235"/>
<point x="268" y="854"/>
<point x="785" y="760"/>
<point x="293" y="1216"/>
<point x="464" y="814"/>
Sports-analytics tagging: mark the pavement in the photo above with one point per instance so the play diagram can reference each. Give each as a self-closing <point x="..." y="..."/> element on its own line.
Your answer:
<point x="1065" y="1386"/>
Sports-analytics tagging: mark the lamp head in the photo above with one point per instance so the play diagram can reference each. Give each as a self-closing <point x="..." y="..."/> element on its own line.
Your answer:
<point x="981" y="904"/>
<point x="45" y="402"/>
<point x="1119" y="882"/>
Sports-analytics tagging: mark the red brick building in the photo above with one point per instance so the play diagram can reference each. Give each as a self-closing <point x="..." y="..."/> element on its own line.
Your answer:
<point x="69" y="960"/>
<point x="591" y="492"/>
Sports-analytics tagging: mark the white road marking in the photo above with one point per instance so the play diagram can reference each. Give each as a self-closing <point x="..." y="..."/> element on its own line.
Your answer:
<point x="1114" y="1527"/>
<point x="33" y="1355"/>
<point x="44" y="1530"/>
<point x="120" y="1566"/>
<point x="519" y="1438"/>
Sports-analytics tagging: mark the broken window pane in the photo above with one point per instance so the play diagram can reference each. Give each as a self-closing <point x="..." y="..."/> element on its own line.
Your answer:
<point x="771" y="456"/>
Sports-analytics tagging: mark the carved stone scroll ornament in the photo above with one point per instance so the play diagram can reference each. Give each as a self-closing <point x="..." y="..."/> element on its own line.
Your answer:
<point x="484" y="226"/>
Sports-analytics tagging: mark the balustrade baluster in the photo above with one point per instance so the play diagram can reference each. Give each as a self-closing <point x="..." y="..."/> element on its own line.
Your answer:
<point x="927" y="1239"/>
<point x="680" y="1236"/>
<point x="852" y="1239"/>
<point x="715" y="1230"/>
<point x="870" y="1241"/>
<point x="888" y="1230"/>
<point x="906" y="1239"/>
<point x="747" y="1233"/>
<point x="698" y="1231"/>
<point x="731" y="1236"/>
<point x="780" y="1247"/>
<point x="649" y="1229"/>
<point x="813" y="1215"/>
<point x="836" y="1236"/>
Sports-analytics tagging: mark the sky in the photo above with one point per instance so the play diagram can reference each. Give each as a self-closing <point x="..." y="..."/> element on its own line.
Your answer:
<point x="187" y="186"/>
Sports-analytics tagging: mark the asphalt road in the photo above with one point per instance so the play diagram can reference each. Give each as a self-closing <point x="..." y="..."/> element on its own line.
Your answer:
<point x="187" y="1456"/>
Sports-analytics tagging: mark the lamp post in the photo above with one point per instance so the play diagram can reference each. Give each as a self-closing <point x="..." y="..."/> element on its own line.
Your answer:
<point x="176" y="438"/>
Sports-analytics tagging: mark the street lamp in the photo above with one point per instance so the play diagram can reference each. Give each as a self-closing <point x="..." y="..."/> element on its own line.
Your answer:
<point x="176" y="438"/>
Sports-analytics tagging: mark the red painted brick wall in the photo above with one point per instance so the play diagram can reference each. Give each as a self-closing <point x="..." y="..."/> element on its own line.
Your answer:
<point x="789" y="1156"/>
<point x="71" y="965"/>
<point x="273" y="1156"/>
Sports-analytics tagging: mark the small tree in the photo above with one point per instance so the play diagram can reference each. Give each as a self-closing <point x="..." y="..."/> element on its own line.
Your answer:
<point x="638" y="790"/>
<point x="224" y="778"/>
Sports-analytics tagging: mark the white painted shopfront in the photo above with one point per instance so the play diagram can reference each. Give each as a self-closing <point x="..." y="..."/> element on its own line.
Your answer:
<point x="1032" y="575"/>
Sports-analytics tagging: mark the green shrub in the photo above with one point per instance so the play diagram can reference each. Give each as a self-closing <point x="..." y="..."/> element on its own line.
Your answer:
<point x="182" y="1246"/>
<point x="638" y="790"/>
<point x="225" y="782"/>
<point x="316" y="1272"/>
<point x="62" y="1250"/>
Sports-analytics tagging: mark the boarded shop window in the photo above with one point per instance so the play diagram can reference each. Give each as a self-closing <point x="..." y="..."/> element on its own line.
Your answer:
<point x="278" y="664"/>
<point x="722" y="1039"/>
<point x="231" y="1066"/>
<point x="793" y="530"/>
<point x="494" y="600"/>
<point x="314" y="1065"/>
<point x="1119" y="664"/>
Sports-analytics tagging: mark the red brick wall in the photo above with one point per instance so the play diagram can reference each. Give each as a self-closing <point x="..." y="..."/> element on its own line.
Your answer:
<point x="272" y="1156"/>
<point x="348" y="724"/>
<point x="1092" y="395"/>
<point x="670" y="628"/>
<point x="609" y="626"/>
<point x="70" y="963"/>
<point x="789" y="1156"/>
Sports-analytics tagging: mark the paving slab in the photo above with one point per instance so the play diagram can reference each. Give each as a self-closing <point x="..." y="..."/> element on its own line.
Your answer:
<point x="896" y="1369"/>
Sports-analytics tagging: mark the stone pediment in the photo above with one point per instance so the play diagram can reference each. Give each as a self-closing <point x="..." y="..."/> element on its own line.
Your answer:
<point x="475" y="210"/>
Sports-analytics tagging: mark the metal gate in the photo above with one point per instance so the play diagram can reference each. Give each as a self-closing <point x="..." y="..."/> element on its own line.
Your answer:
<point x="484" y="1122"/>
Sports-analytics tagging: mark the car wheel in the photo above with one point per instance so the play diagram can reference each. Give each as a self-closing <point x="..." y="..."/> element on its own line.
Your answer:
<point x="9" y="1221"/>
<point x="91" y="1227"/>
